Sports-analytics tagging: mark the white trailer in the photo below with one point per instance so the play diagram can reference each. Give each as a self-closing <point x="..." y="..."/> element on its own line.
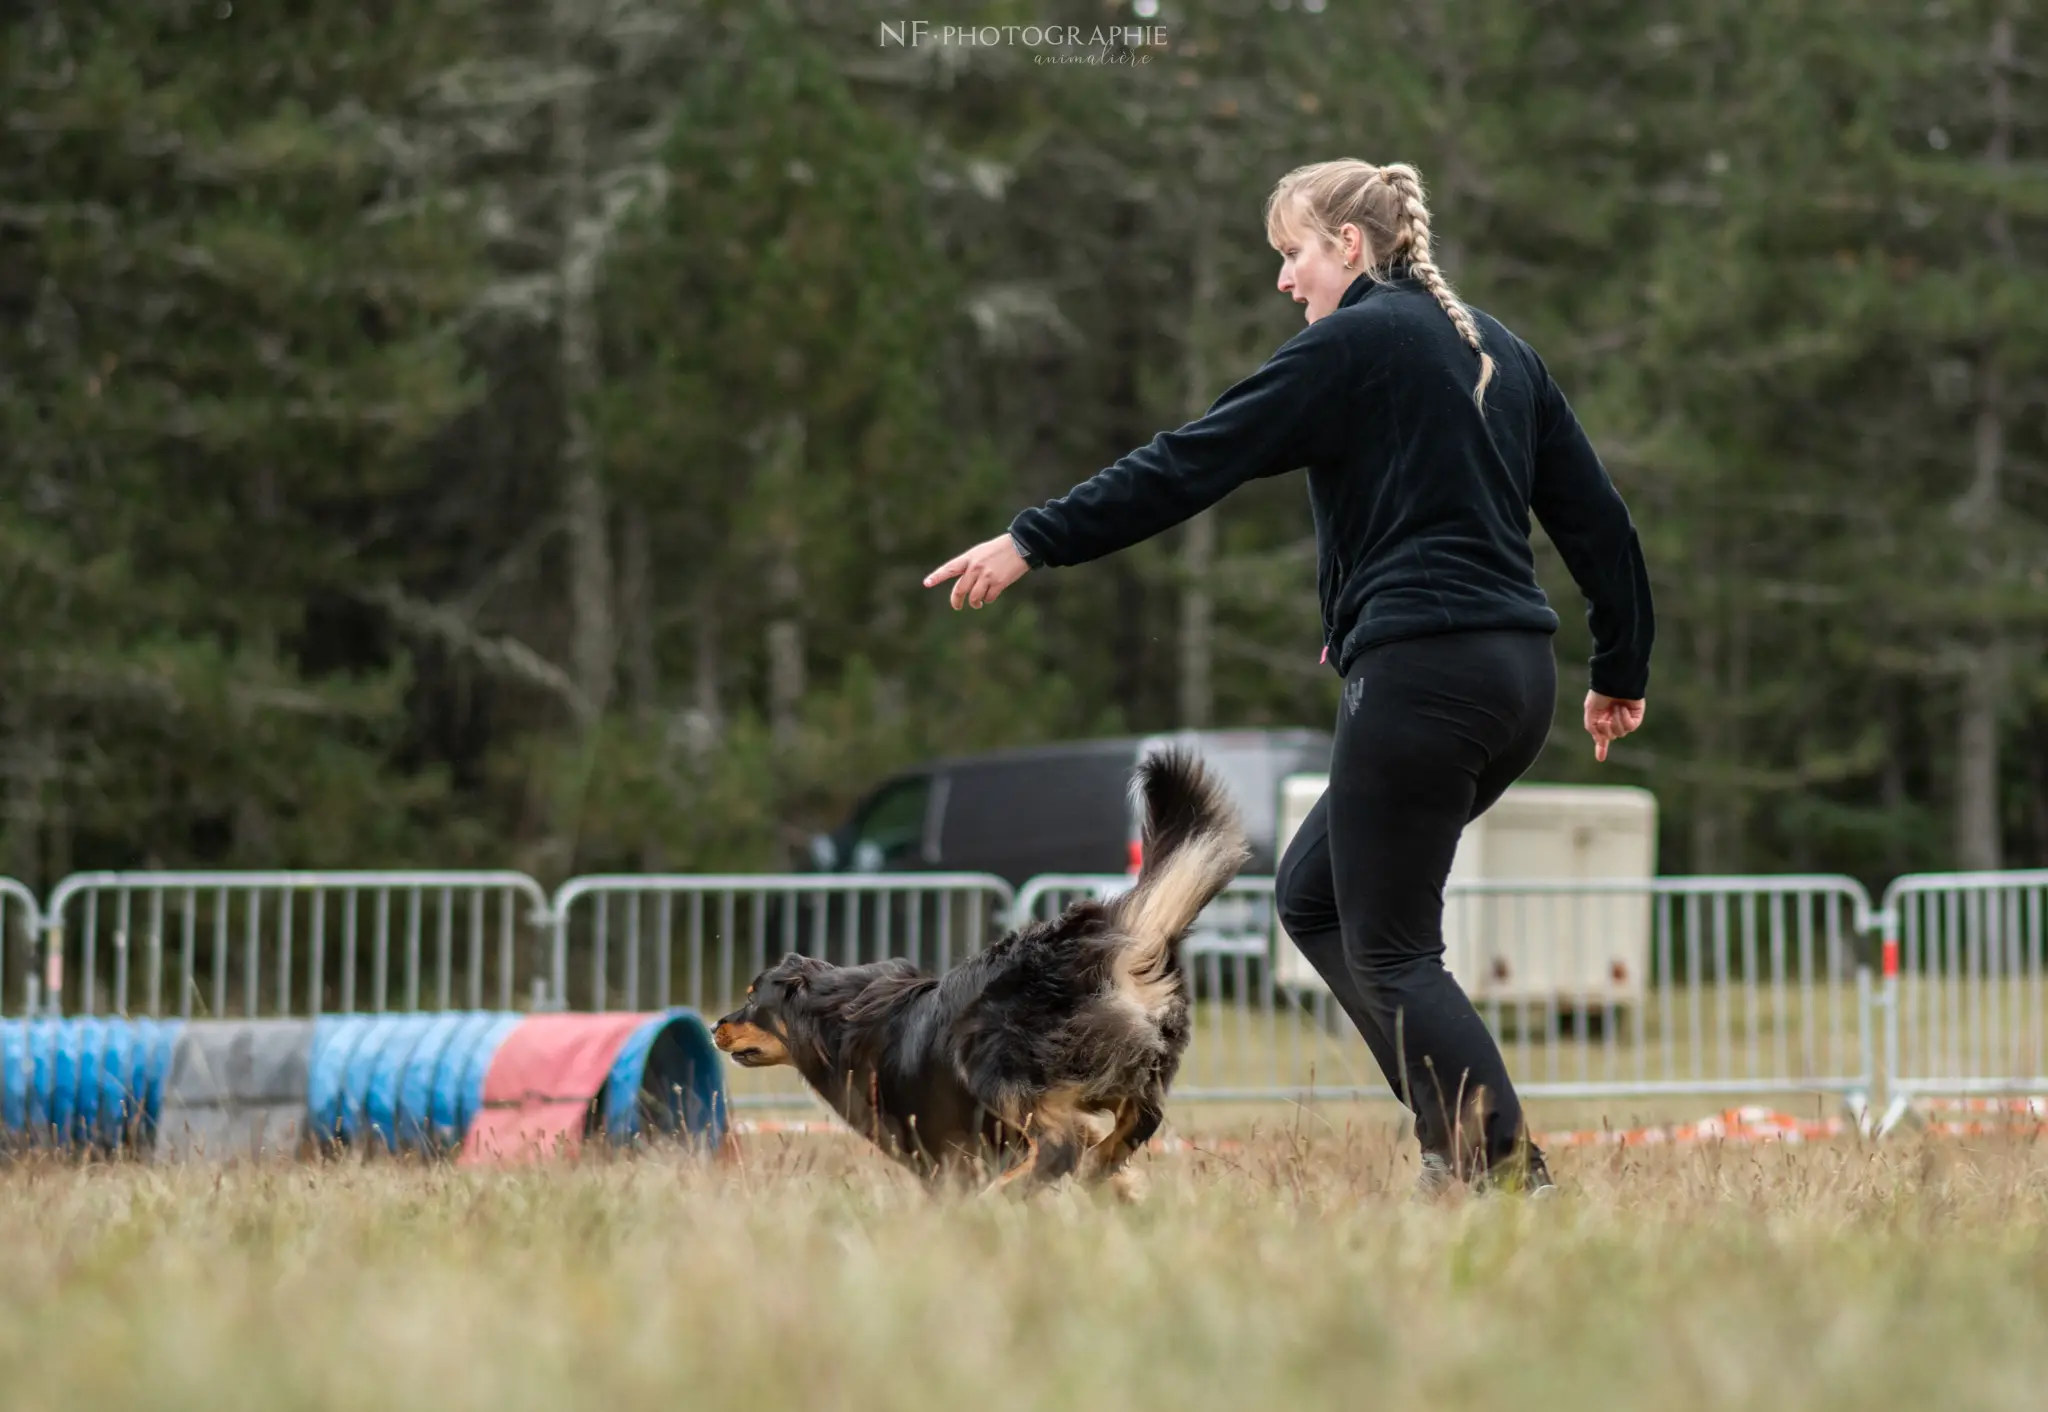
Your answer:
<point x="1516" y="931"/>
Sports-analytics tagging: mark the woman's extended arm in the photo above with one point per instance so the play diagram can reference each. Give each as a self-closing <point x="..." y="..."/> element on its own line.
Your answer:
<point x="1274" y="421"/>
<point x="1277" y="419"/>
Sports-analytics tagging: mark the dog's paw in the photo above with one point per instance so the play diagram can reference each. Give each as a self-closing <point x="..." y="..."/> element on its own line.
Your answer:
<point x="1129" y="1185"/>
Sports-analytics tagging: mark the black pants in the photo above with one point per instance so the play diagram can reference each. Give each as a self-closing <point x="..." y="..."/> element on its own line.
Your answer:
<point x="1431" y="731"/>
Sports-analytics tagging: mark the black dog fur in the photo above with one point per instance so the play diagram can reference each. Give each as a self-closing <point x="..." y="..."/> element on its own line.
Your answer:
<point x="1059" y="1041"/>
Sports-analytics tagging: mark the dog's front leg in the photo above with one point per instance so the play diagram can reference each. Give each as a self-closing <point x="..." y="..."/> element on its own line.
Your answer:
<point x="1023" y="1168"/>
<point x="1055" y="1152"/>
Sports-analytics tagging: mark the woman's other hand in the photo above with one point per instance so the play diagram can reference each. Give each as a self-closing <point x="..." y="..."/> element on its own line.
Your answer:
<point x="1609" y="718"/>
<point x="984" y="572"/>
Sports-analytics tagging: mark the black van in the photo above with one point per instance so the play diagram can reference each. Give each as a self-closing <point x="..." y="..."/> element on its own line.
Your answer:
<point x="1063" y="808"/>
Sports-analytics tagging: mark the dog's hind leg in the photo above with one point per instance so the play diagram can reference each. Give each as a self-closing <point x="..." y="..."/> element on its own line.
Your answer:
<point x="1059" y="1154"/>
<point x="1136" y="1123"/>
<point x="1060" y="1132"/>
<point x="1112" y="1147"/>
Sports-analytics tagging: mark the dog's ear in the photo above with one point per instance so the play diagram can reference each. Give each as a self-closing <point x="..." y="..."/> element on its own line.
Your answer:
<point x="795" y="971"/>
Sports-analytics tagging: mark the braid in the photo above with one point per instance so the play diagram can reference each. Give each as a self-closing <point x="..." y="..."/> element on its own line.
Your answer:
<point x="1406" y="184"/>
<point x="1386" y="204"/>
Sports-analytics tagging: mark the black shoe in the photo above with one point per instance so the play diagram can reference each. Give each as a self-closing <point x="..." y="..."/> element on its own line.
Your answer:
<point x="1524" y="1173"/>
<point x="1435" y="1180"/>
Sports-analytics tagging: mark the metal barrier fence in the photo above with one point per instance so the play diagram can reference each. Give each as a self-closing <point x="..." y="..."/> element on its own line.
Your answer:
<point x="253" y="944"/>
<point x="1965" y="996"/>
<point x="1665" y="986"/>
<point x="22" y="920"/>
<point x="1594" y="989"/>
<point x="654" y="941"/>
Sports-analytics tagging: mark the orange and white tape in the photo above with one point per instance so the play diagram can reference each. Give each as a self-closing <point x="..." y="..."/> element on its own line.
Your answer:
<point x="771" y="1127"/>
<point x="1750" y="1124"/>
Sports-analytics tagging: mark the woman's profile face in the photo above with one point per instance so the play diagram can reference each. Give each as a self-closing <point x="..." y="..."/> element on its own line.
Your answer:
<point x="1312" y="270"/>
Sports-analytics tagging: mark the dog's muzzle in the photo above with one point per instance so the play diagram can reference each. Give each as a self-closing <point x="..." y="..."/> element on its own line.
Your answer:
<point x="749" y="1044"/>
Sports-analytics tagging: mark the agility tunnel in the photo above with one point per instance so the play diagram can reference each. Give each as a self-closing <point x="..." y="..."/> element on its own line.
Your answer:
<point x="669" y="1079"/>
<point x="560" y="1080"/>
<point x="83" y="1084"/>
<point x="491" y="1086"/>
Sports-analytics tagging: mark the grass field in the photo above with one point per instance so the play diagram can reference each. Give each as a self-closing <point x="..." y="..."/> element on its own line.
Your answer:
<point x="1284" y="1269"/>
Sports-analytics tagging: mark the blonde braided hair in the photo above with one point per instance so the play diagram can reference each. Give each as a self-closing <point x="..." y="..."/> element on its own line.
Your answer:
<point x="1387" y="205"/>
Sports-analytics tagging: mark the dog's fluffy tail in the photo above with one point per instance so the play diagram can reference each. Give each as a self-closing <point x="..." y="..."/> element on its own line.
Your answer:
<point x="1193" y="843"/>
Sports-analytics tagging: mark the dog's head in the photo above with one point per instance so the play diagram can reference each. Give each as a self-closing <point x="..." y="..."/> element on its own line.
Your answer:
<point x="756" y="1035"/>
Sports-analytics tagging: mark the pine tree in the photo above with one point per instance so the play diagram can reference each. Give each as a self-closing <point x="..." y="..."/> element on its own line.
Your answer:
<point x="231" y="328"/>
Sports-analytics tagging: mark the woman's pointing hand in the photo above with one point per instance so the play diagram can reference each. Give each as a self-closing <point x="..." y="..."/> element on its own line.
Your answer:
<point x="984" y="571"/>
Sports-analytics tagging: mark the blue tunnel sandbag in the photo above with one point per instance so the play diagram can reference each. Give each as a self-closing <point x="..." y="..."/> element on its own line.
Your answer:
<point x="100" y="1127"/>
<point x="96" y="1038"/>
<point x="38" y="1077"/>
<point x="133" y="1058"/>
<point x="43" y="1038"/>
<point x="14" y="1076"/>
<point x="385" y="1072"/>
<point x="414" y="1119"/>
<point x="445" y="1081"/>
<point x="77" y="1061"/>
<point x="142" y="1076"/>
<point x="334" y="1040"/>
<point x="345" y="1050"/>
<point x="115" y="1079"/>
<point x="157" y="1040"/>
<point x="355" y="1076"/>
<point x="63" y="1081"/>
<point x="433" y="1115"/>
<point x="63" y="1063"/>
<point x="669" y="1078"/>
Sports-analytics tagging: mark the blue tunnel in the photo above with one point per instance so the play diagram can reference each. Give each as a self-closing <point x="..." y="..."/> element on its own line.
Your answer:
<point x="86" y="1083"/>
<point x="407" y="1083"/>
<point x="667" y="1080"/>
<point x="399" y="1083"/>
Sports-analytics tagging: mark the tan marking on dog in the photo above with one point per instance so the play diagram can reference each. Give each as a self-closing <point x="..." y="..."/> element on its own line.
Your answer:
<point x="1106" y="1159"/>
<point x="734" y="1035"/>
<point x="1098" y="1123"/>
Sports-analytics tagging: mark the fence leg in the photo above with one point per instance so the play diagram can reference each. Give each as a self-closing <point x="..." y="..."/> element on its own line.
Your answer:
<point x="1897" y="1105"/>
<point x="1895" y="1113"/>
<point x="53" y="969"/>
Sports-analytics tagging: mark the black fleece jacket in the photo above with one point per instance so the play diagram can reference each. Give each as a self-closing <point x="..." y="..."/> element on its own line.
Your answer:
<point x="1421" y="504"/>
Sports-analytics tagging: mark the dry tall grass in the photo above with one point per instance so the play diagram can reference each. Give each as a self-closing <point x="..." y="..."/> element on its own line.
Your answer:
<point x="1288" y="1272"/>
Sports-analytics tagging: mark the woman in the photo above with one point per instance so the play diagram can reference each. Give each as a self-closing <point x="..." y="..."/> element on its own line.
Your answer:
<point x="1430" y="433"/>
